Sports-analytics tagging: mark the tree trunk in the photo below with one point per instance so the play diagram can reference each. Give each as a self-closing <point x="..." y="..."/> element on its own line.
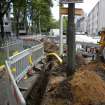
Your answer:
<point x="2" y="30"/>
<point x="1" y="24"/>
<point x="17" y="23"/>
<point x="71" y="40"/>
<point x="25" y="21"/>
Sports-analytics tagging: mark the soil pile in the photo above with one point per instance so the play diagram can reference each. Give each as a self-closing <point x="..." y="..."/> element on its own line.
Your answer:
<point x="88" y="88"/>
<point x="80" y="60"/>
<point x="49" y="46"/>
<point x="85" y="88"/>
<point x="97" y="67"/>
<point x="58" y="92"/>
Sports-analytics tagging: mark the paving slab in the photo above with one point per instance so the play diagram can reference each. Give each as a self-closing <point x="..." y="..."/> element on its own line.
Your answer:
<point x="4" y="84"/>
<point x="26" y="85"/>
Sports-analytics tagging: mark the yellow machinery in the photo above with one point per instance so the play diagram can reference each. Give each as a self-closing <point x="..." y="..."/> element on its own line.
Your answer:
<point x="102" y="43"/>
<point x="102" y="40"/>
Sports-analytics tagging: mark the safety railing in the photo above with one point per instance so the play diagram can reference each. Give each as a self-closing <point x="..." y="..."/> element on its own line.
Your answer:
<point x="29" y="42"/>
<point x="20" y="63"/>
<point x="8" y="48"/>
<point x="11" y="45"/>
<point x="17" y="66"/>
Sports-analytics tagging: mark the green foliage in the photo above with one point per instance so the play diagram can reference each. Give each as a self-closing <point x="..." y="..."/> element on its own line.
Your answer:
<point x="19" y="4"/>
<point x="42" y="14"/>
<point x="19" y="9"/>
<point x="65" y="24"/>
<point x="54" y="24"/>
<point x="39" y="12"/>
<point x="2" y="57"/>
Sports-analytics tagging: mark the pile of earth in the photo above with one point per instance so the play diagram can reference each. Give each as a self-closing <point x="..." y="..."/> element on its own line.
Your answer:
<point x="86" y="87"/>
<point x="97" y="67"/>
<point x="49" y="46"/>
<point x="80" y="60"/>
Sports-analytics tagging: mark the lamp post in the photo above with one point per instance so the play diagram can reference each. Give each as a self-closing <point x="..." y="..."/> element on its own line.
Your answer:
<point x="61" y="31"/>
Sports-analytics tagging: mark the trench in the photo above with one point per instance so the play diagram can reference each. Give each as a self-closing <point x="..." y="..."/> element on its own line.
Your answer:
<point x="36" y="94"/>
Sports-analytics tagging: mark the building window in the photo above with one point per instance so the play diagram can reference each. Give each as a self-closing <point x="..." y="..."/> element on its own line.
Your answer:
<point x="6" y="23"/>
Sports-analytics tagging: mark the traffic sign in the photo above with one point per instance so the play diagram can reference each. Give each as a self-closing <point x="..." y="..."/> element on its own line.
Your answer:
<point x="78" y="11"/>
<point x="70" y="1"/>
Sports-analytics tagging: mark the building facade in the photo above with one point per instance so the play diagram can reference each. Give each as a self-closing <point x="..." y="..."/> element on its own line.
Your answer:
<point x="101" y="14"/>
<point x="95" y="20"/>
<point x="7" y="25"/>
<point x="81" y="24"/>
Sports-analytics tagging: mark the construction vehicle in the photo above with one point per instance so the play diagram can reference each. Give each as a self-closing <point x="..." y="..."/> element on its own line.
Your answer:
<point x="102" y="43"/>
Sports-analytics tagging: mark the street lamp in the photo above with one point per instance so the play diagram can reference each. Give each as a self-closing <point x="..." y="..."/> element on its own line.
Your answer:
<point x="61" y="30"/>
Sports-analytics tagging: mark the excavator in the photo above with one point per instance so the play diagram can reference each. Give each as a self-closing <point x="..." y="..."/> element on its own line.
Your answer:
<point x="102" y="44"/>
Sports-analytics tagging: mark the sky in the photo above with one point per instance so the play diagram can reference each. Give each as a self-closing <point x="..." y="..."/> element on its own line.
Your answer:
<point x="87" y="6"/>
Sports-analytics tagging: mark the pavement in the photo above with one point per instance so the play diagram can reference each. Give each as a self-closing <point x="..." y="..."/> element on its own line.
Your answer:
<point x="3" y="88"/>
<point x="24" y="85"/>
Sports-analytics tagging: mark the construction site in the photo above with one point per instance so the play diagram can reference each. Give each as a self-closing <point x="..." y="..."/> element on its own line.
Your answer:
<point x="54" y="69"/>
<point x="49" y="84"/>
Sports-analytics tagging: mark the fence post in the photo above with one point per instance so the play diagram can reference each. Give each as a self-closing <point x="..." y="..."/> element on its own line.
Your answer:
<point x="7" y="50"/>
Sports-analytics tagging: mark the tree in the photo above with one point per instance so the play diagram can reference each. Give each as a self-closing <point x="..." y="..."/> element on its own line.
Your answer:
<point x="4" y="7"/>
<point x="41" y="14"/>
<point x="54" y="24"/>
<point x="38" y="13"/>
<point x="71" y="40"/>
<point x="65" y="24"/>
<point x="19" y="12"/>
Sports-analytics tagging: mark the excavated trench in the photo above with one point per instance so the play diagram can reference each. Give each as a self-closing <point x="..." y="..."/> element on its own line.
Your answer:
<point x="37" y="92"/>
<point x="86" y="88"/>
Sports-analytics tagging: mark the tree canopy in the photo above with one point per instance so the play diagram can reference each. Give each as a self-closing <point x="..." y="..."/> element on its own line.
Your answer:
<point x="65" y="25"/>
<point x="42" y="14"/>
<point x="4" y="7"/>
<point x="38" y="12"/>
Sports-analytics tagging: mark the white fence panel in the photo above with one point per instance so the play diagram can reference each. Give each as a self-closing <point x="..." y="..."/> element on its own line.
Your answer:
<point x="17" y="66"/>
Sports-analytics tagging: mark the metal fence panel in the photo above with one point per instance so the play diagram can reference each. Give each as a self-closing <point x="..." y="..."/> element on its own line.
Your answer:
<point x="9" y="48"/>
<point x="15" y="96"/>
<point x="17" y="66"/>
<point x="20" y="63"/>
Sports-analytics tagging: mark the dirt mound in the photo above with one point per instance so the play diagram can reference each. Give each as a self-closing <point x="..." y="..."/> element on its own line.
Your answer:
<point x="98" y="67"/>
<point x="85" y="88"/>
<point x="88" y="88"/>
<point x="58" y="93"/>
<point x="80" y="60"/>
<point x="49" y="46"/>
